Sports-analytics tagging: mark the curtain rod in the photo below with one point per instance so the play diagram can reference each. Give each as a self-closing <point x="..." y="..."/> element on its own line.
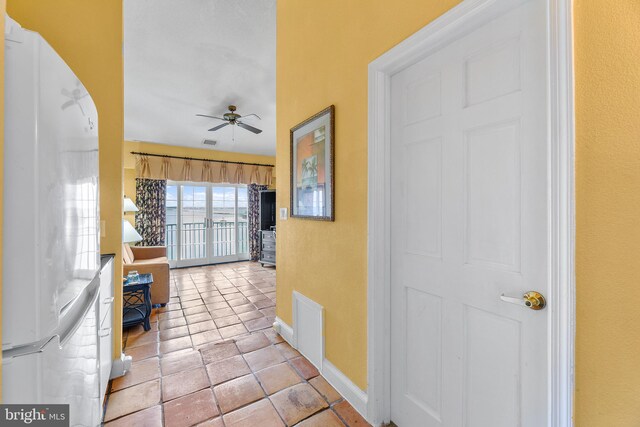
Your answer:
<point x="202" y="160"/>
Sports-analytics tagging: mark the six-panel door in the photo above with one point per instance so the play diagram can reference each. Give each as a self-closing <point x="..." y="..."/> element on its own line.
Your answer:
<point x="468" y="224"/>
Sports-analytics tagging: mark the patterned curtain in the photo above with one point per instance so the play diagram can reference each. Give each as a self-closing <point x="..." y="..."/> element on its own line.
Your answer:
<point x="254" y="219"/>
<point x="151" y="199"/>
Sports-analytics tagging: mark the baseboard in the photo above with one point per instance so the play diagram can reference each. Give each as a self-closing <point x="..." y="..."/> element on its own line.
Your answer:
<point x="354" y="394"/>
<point x="120" y="366"/>
<point x="334" y="376"/>
<point x="284" y="330"/>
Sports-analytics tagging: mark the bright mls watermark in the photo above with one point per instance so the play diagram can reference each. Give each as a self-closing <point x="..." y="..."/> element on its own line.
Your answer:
<point x="34" y="415"/>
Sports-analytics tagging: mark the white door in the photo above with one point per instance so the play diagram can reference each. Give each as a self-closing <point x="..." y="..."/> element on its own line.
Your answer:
<point x="468" y="224"/>
<point x="193" y="225"/>
<point x="228" y="223"/>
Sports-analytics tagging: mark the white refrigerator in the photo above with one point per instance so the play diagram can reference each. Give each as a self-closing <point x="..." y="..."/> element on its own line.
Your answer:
<point x="51" y="254"/>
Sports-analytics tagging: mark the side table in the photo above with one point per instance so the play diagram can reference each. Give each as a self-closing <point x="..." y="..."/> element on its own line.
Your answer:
<point x="136" y="302"/>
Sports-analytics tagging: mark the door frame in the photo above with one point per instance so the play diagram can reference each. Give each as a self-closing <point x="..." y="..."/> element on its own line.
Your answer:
<point x="459" y="21"/>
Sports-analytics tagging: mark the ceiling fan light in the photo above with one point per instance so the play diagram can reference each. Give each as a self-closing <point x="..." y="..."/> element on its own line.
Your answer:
<point x="232" y="118"/>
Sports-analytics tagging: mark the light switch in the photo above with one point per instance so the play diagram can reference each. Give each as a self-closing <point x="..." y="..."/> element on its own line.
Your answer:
<point x="283" y="214"/>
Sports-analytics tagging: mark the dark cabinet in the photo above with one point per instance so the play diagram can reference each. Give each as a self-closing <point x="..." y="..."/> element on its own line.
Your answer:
<point x="267" y="209"/>
<point x="268" y="247"/>
<point x="267" y="227"/>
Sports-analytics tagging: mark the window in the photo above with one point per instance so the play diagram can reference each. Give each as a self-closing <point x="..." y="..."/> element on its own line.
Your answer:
<point x="206" y="223"/>
<point x="172" y="221"/>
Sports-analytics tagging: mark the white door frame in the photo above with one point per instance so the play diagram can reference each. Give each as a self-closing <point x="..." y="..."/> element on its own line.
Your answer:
<point x="461" y="20"/>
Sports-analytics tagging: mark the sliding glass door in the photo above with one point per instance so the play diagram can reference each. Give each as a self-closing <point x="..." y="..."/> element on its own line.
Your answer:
<point x="192" y="227"/>
<point x="206" y="223"/>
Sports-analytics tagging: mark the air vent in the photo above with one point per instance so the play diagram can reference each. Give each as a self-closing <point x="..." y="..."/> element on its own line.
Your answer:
<point x="209" y="142"/>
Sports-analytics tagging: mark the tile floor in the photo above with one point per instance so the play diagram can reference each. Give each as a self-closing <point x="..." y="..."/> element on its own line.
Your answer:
<point x="212" y="359"/>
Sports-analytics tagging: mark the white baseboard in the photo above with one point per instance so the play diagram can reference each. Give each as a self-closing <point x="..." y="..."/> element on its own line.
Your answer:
<point x="354" y="394"/>
<point x="334" y="376"/>
<point x="284" y="330"/>
<point x="119" y="367"/>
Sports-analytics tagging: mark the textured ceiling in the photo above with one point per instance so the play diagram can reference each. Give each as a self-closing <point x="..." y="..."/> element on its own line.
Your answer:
<point x="187" y="57"/>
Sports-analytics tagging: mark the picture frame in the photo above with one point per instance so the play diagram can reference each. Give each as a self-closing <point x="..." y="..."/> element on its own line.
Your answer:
<point x="312" y="167"/>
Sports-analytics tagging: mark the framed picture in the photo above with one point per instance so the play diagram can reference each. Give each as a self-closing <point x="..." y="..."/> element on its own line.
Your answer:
<point x="312" y="159"/>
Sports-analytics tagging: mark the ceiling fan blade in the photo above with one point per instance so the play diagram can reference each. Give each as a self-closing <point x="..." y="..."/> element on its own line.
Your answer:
<point x="252" y="114"/>
<point x="67" y="104"/>
<point x="249" y="128"/>
<point x="211" y="117"/>
<point x="219" y="126"/>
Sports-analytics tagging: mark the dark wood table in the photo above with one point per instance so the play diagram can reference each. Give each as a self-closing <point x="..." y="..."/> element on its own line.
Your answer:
<point x="136" y="302"/>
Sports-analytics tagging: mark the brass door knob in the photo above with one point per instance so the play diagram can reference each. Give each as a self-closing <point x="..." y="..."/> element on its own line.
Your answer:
<point x="532" y="299"/>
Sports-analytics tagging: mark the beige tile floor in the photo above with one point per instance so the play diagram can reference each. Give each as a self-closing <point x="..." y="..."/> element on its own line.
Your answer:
<point x="212" y="359"/>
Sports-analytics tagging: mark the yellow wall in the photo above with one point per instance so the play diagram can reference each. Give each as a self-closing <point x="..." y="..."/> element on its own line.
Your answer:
<point x="607" y="64"/>
<point x="322" y="60"/>
<point x="3" y="6"/>
<point x="174" y="150"/>
<point x="323" y="50"/>
<point x="88" y="35"/>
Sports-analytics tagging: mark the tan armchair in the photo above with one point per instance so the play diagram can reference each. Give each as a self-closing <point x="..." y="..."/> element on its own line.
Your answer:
<point x="149" y="259"/>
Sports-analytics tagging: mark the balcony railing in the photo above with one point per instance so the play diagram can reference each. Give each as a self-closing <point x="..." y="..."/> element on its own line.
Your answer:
<point x="194" y="239"/>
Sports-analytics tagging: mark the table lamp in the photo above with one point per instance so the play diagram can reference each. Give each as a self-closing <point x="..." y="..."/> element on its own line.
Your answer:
<point x="129" y="234"/>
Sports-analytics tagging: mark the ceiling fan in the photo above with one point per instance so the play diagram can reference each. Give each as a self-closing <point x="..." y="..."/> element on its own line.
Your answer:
<point x="74" y="95"/>
<point x="232" y="118"/>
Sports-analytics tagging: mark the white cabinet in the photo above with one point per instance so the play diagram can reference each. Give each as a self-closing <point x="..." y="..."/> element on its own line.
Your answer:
<point x="105" y="326"/>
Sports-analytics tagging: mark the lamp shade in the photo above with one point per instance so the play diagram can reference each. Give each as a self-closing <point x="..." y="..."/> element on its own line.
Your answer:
<point x="129" y="206"/>
<point x="129" y="234"/>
